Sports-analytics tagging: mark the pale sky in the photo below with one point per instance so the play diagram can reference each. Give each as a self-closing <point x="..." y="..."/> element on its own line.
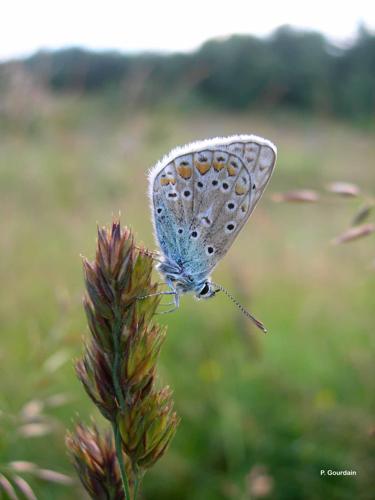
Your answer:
<point x="166" y="25"/>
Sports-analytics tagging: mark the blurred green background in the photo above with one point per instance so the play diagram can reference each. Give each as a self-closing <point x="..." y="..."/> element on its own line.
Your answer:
<point x="261" y="415"/>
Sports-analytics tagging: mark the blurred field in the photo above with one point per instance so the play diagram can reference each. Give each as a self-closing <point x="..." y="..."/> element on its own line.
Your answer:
<point x="261" y="415"/>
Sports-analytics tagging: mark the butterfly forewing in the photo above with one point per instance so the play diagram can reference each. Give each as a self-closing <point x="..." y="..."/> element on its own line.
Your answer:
<point x="203" y="194"/>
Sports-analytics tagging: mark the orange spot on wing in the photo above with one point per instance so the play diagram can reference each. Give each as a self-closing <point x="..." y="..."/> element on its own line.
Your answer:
<point x="231" y="171"/>
<point x="240" y="189"/>
<point x="218" y="165"/>
<point x="203" y="167"/>
<point x="185" y="171"/>
<point x="164" y="181"/>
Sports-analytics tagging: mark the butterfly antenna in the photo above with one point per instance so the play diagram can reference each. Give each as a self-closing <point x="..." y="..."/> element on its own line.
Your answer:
<point x="258" y="323"/>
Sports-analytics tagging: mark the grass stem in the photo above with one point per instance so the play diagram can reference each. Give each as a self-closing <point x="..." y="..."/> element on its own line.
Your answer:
<point x="120" y="459"/>
<point x="121" y="401"/>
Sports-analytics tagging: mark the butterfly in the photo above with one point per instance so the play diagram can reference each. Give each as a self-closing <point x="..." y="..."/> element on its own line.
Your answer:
<point x="201" y="196"/>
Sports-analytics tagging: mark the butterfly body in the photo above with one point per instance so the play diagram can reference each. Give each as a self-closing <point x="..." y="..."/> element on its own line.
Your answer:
<point x="201" y="196"/>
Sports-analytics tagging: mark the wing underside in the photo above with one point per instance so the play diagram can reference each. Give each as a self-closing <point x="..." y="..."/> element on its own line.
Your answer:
<point x="201" y="197"/>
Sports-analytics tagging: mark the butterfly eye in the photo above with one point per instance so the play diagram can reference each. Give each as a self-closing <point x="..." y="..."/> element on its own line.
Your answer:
<point x="204" y="290"/>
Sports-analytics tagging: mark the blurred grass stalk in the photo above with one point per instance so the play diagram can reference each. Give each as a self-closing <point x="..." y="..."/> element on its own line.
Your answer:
<point x="118" y="371"/>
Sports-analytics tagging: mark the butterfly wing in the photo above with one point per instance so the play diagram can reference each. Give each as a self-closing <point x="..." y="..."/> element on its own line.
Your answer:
<point x="171" y="191"/>
<point x="202" y="195"/>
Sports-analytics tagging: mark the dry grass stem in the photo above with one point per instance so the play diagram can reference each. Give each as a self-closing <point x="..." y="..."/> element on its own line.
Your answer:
<point x="297" y="196"/>
<point x="362" y="214"/>
<point x="354" y="233"/>
<point x="346" y="189"/>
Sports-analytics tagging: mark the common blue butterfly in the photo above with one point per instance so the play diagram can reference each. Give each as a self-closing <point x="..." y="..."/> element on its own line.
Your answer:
<point x="201" y="196"/>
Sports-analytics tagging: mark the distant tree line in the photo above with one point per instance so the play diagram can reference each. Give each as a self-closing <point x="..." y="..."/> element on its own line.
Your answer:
<point x="289" y="69"/>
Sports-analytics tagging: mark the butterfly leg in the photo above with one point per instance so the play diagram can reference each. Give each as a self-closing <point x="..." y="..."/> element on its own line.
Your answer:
<point x="176" y="304"/>
<point x="155" y="295"/>
<point x="167" y="312"/>
<point x="168" y="304"/>
<point x="174" y="292"/>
